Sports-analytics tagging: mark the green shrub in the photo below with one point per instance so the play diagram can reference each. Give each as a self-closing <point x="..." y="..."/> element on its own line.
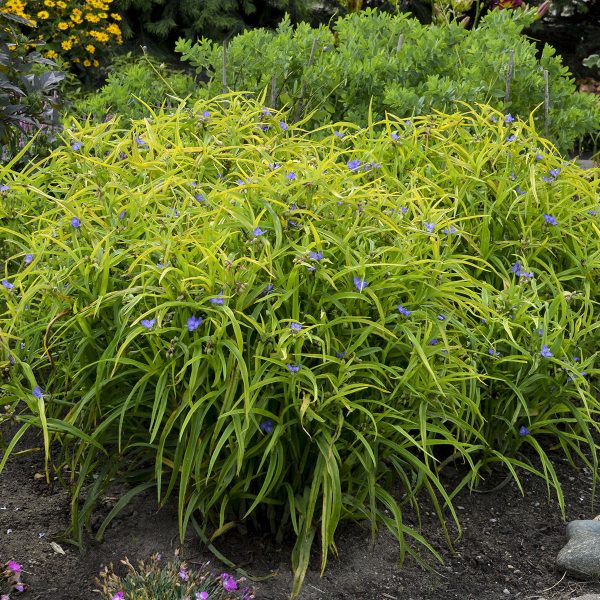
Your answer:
<point x="379" y="62"/>
<point x="134" y="83"/>
<point x="159" y="580"/>
<point x="281" y="326"/>
<point x="29" y="102"/>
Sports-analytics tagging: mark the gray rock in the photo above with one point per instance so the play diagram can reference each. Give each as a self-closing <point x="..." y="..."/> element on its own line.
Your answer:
<point x="588" y="597"/>
<point x="581" y="556"/>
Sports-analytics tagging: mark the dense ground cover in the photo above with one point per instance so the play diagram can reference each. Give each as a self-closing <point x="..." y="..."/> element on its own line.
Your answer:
<point x="277" y="324"/>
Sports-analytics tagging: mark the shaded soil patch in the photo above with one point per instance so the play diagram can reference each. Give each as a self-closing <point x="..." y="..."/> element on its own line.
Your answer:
<point x="507" y="549"/>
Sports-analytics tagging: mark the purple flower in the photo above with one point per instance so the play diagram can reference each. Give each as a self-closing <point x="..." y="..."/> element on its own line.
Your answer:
<point x="316" y="255"/>
<point x="206" y="114"/>
<point x="554" y="172"/>
<point x="519" y="191"/>
<point x="404" y="209"/>
<point x="274" y="166"/>
<point x="394" y="136"/>
<point x="449" y="231"/>
<point x="591" y="212"/>
<point x="360" y="284"/>
<point x="263" y="126"/>
<point x="433" y="341"/>
<point x="441" y="317"/>
<point x="7" y="284"/>
<point x="492" y="352"/>
<point x="493" y="119"/>
<point x="404" y="311"/>
<point x="267" y="426"/>
<point x="75" y="145"/>
<point x="229" y="583"/>
<point x="119" y="596"/>
<point x="283" y="125"/>
<point x="293" y="368"/>
<point x="267" y="289"/>
<point x="338" y="134"/>
<point x="122" y="214"/>
<point x="546" y="352"/>
<point x="523" y="431"/>
<point x="140" y="141"/>
<point x="258" y="231"/>
<point x="526" y="274"/>
<point x="511" y="138"/>
<point x="194" y="322"/>
<point x="200" y="197"/>
<point x="19" y="587"/>
<point x="509" y="118"/>
<point x="266" y="111"/>
<point x="353" y="165"/>
<point x="75" y="222"/>
<point x="201" y="595"/>
<point x="219" y="299"/>
<point x="539" y="156"/>
<point x="148" y="323"/>
<point x="340" y="354"/>
<point x="576" y="359"/>
<point x="4" y="187"/>
<point x="516" y="268"/>
<point x="37" y="392"/>
<point x="430" y="227"/>
<point x="13" y="566"/>
<point x="550" y="219"/>
<point x="291" y="175"/>
<point x="296" y="327"/>
<point x="183" y="574"/>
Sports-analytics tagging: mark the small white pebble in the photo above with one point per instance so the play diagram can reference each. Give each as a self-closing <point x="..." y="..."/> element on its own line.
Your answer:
<point x="8" y="531"/>
<point x="505" y="591"/>
<point x="510" y="566"/>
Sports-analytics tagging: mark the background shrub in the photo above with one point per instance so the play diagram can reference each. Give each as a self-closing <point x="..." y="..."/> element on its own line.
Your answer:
<point x="29" y="100"/>
<point x="283" y="327"/>
<point x="375" y="62"/>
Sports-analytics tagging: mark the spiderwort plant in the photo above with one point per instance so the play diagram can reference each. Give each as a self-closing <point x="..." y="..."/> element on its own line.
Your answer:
<point x="186" y="368"/>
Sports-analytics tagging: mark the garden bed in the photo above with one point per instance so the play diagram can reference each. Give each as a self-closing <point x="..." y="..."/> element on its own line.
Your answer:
<point x="509" y="543"/>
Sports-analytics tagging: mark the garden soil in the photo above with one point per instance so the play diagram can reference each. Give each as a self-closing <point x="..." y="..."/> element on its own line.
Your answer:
<point x="507" y="549"/>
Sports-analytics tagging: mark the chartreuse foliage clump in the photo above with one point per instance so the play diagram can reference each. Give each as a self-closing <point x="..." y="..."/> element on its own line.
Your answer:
<point x="378" y="62"/>
<point x="294" y="327"/>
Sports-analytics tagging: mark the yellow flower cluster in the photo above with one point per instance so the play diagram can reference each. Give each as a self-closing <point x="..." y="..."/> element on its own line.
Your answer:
<point x="78" y="31"/>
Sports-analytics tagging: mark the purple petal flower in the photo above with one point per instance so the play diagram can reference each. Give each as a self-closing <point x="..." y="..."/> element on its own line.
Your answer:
<point x="296" y="327"/>
<point x="119" y="596"/>
<point x="19" y="587"/>
<point x="7" y="284"/>
<point x="360" y="284"/>
<point x="449" y="230"/>
<point x="539" y="156"/>
<point x="219" y="299"/>
<point x="200" y="197"/>
<point x="353" y="165"/>
<point x="511" y="138"/>
<point x="206" y="114"/>
<point x="267" y="426"/>
<point x="291" y="175"/>
<point x="550" y="219"/>
<point x="548" y="179"/>
<point x="37" y="392"/>
<point x="404" y="311"/>
<point x="229" y="583"/>
<point x="430" y="227"/>
<point x="433" y="341"/>
<point x="283" y="125"/>
<point x="148" y="323"/>
<point x="554" y="172"/>
<point x="274" y="166"/>
<point x="13" y="566"/>
<point x="122" y="214"/>
<point x="404" y="209"/>
<point x="267" y="289"/>
<point x="75" y="145"/>
<point x="519" y="191"/>
<point x="523" y="431"/>
<point x="293" y="368"/>
<point x="340" y="354"/>
<point x="516" y="268"/>
<point x="509" y="118"/>
<point x="339" y="134"/>
<point x="316" y="255"/>
<point x="258" y="232"/>
<point x="194" y="322"/>
<point x="140" y="141"/>
<point x="183" y="574"/>
<point x="441" y="317"/>
<point x="492" y="352"/>
<point x="201" y="595"/>
<point x="266" y="111"/>
<point x="493" y="119"/>
<point x="546" y="352"/>
<point x="395" y="136"/>
<point x="4" y="187"/>
<point x="75" y="222"/>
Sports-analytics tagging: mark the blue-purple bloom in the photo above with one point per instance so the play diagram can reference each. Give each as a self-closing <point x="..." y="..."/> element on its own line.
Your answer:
<point x="267" y="426"/>
<point x="340" y="354"/>
<point x="37" y="392"/>
<point x="430" y="227"/>
<point x="449" y="230"/>
<point x="546" y="352"/>
<point x="339" y="134"/>
<point x="511" y="138"/>
<point x="433" y="341"/>
<point x="283" y="125"/>
<point x="509" y="118"/>
<point x="75" y="222"/>
<point x="183" y="574"/>
<point x="293" y="368"/>
<point x="539" y="156"/>
<point x="7" y="284"/>
<point x="353" y="165"/>
<point x="200" y="197"/>
<point x="395" y="136"/>
<point x="75" y="145"/>
<point x="493" y="119"/>
<point x="441" y="317"/>
<point x="519" y="191"/>
<point x="316" y="255"/>
<point x="141" y="142"/>
<point x="360" y="284"/>
<point x="219" y="299"/>
<point x="258" y="232"/>
<point x="523" y="431"/>
<point x="267" y="289"/>
<point x="492" y="352"/>
<point x="291" y="175"/>
<point x="404" y="311"/>
<point x="554" y="172"/>
<point x="28" y="259"/>
<point x="550" y="219"/>
<point x="193" y="323"/>
<point x="4" y="187"/>
<point x="148" y="323"/>
<point x="122" y="214"/>
<point x="295" y="327"/>
<point x="206" y="114"/>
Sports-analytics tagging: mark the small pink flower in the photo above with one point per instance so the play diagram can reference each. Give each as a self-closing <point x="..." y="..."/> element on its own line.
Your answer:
<point x="20" y="587"/>
<point x="229" y="583"/>
<point x="119" y="596"/>
<point x="13" y="566"/>
<point x="5" y="597"/>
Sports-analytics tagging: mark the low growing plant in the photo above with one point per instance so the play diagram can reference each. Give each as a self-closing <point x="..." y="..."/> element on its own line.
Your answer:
<point x="290" y="328"/>
<point x="171" y="580"/>
<point x="376" y="62"/>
